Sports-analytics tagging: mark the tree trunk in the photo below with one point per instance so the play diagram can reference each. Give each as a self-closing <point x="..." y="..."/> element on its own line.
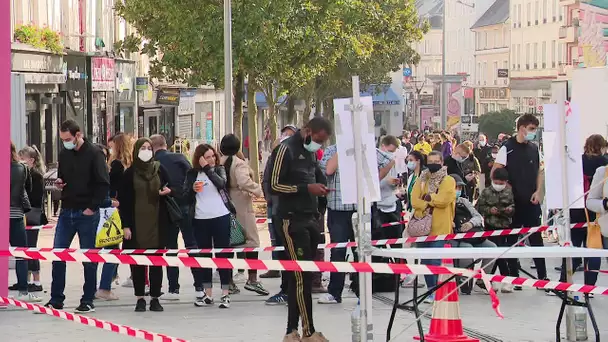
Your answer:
<point x="239" y="90"/>
<point x="291" y="110"/>
<point x="272" y="119"/>
<point x="307" y="111"/>
<point x="252" y="122"/>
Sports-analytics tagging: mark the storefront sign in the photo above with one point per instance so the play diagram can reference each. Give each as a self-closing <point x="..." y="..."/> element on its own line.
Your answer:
<point x="34" y="62"/>
<point x="186" y="102"/>
<point x="141" y="83"/>
<point x="125" y="77"/>
<point x="40" y="78"/>
<point x="503" y="73"/>
<point x="493" y="93"/>
<point x="168" y="97"/>
<point x="102" y="74"/>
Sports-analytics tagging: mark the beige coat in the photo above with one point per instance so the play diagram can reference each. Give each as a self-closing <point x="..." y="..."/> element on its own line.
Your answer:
<point x="242" y="189"/>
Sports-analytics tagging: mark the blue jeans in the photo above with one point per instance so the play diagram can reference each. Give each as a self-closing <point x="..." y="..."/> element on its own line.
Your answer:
<point x="189" y="242"/>
<point x="430" y="279"/>
<point x="340" y="226"/>
<point x="18" y="238"/>
<point x="70" y="223"/>
<point x="212" y="233"/>
<point x="108" y="272"/>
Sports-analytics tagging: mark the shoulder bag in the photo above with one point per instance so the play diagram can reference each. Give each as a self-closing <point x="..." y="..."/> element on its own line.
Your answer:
<point x="418" y="227"/>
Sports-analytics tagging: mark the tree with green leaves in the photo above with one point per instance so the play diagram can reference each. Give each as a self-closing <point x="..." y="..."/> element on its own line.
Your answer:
<point x="493" y="123"/>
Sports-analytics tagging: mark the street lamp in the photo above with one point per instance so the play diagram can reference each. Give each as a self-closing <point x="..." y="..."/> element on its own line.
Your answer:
<point x="228" y="65"/>
<point x="444" y="90"/>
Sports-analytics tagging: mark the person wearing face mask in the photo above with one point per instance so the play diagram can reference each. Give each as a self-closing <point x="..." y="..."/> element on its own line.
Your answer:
<point x="483" y="153"/>
<point x="144" y="184"/>
<point x="297" y="180"/>
<point x="434" y="193"/>
<point x="84" y="182"/>
<point x="415" y="165"/>
<point x="464" y="164"/>
<point x="467" y="219"/>
<point x="496" y="205"/>
<point x="520" y="156"/>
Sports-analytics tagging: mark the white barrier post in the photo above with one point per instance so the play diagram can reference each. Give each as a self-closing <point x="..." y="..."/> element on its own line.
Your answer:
<point x="559" y="94"/>
<point x="363" y="221"/>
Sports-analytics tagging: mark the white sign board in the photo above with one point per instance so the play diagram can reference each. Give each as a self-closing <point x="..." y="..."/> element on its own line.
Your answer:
<point x="555" y="152"/>
<point x="370" y="184"/>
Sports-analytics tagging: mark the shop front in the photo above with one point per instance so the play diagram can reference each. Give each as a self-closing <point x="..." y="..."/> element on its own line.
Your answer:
<point x="124" y="121"/>
<point x="159" y="118"/>
<point x="101" y="106"/>
<point x="41" y="73"/>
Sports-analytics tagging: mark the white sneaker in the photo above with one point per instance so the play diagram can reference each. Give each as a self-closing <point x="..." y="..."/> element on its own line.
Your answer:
<point x="239" y="277"/>
<point x="496" y="287"/>
<point x="506" y="288"/>
<point x="128" y="283"/>
<point x="29" y="297"/>
<point x="170" y="296"/>
<point x="327" y="298"/>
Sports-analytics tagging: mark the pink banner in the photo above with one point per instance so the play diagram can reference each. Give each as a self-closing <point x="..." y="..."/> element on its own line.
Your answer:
<point x="426" y="117"/>
<point x="103" y="74"/>
<point x="5" y="134"/>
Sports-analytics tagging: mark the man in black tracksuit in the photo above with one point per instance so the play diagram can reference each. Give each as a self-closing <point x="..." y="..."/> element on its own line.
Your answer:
<point x="297" y="180"/>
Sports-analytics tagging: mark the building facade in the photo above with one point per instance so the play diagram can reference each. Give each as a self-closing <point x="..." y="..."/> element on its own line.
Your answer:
<point x="492" y="41"/>
<point x="536" y="52"/>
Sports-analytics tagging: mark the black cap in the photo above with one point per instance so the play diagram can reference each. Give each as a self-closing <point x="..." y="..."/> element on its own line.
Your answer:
<point x="458" y="179"/>
<point x="291" y="127"/>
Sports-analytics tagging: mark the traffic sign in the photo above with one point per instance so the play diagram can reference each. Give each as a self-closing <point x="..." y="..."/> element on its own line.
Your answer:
<point x="407" y="72"/>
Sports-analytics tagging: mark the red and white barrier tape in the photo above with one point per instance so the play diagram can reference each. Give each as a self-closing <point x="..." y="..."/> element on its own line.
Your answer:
<point x="93" y="322"/>
<point x="459" y="236"/>
<point x="46" y="226"/>
<point x="291" y="265"/>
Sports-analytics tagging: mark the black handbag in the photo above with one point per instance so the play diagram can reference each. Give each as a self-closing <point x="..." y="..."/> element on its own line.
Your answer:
<point x="173" y="209"/>
<point x="35" y="217"/>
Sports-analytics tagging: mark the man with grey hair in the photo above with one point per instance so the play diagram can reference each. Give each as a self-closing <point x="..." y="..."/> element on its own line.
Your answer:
<point x="177" y="166"/>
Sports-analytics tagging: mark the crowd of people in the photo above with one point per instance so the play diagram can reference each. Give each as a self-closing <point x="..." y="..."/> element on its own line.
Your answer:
<point x="444" y="185"/>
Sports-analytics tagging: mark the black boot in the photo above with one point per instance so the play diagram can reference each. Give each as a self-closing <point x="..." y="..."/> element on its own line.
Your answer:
<point x="141" y="305"/>
<point x="155" y="305"/>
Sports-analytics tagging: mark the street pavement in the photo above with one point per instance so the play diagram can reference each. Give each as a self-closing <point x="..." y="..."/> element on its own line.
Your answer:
<point x="529" y="315"/>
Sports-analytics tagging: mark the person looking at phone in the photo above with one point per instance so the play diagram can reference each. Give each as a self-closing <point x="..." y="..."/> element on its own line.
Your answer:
<point x="297" y="180"/>
<point x="84" y="182"/>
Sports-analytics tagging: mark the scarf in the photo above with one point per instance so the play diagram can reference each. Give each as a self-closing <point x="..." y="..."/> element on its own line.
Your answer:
<point x="146" y="184"/>
<point x="434" y="179"/>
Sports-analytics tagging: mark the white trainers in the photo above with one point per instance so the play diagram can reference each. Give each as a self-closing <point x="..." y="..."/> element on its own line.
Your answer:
<point x="239" y="277"/>
<point x="506" y="288"/>
<point x="170" y="296"/>
<point x="496" y="287"/>
<point x="128" y="283"/>
<point x="29" y="297"/>
<point x="327" y="298"/>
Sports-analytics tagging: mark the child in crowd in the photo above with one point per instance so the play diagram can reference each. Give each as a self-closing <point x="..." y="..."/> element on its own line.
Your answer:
<point x="496" y="205"/>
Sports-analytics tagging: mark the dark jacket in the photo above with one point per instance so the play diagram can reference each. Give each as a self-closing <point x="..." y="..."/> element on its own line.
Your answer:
<point x="500" y="200"/>
<point x="484" y="155"/>
<point x="462" y="169"/>
<point x="217" y="176"/>
<point x="523" y="164"/>
<point x="293" y="169"/>
<point x="271" y="199"/>
<point x="21" y="185"/>
<point x="590" y="165"/>
<point x="117" y="171"/>
<point x="126" y="198"/>
<point x="177" y="166"/>
<point x="85" y="175"/>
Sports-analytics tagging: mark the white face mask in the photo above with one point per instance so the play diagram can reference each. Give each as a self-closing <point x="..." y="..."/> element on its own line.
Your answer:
<point x="482" y="143"/>
<point x="494" y="155"/>
<point x="145" y="155"/>
<point x="499" y="187"/>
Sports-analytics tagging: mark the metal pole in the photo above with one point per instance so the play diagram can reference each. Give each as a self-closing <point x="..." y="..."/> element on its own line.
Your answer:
<point x="559" y="94"/>
<point x="444" y="88"/>
<point x="228" y="65"/>
<point x="363" y="227"/>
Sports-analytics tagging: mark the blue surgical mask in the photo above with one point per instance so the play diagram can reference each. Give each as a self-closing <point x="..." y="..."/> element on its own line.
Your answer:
<point x="458" y="193"/>
<point x="530" y="136"/>
<point x="411" y="165"/>
<point x="312" y="146"/>
<point x="69" y="145"/>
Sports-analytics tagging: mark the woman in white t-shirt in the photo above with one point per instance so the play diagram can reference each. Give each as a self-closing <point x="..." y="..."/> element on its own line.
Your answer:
<point x="210" y="210"/>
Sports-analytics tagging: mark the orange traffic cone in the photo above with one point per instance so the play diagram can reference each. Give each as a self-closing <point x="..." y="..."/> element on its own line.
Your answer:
<point x="446" y="325"/>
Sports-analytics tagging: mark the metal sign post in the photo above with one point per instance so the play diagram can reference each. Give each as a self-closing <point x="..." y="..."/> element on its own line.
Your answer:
<point x="363" y="220"/>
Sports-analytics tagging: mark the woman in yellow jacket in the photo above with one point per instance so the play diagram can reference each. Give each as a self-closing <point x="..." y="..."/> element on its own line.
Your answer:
<point x="422" y="146"/>
<point x="435" y="191"/>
